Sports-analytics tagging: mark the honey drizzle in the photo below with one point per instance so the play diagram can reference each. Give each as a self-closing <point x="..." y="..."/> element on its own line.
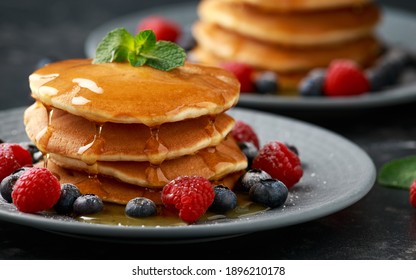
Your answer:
<point x="154" y="148"/>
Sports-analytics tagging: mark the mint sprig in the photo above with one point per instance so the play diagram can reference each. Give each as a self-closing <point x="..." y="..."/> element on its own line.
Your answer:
<point x="398" y="173"/>
<point x="143" y="49"/>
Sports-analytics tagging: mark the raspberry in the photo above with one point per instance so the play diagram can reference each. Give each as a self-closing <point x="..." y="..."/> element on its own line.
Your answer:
<point x="412" y="194"/>
<point x="280" y="162"/>
<point x="37" y="189"/>
<point x="12" y="157"/>
<point x="345" y="78"/>
<point x="163" y="28"/>
<point x="243" y="72"/>
<point x="243" y="132"/>
<point x="191" y="195"/>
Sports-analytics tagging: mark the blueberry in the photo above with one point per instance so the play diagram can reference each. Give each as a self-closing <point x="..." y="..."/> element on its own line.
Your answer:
<point x="140" y="207"/>
<point x="270" y="192"/>
<point x="7" y="184"/>
<point x="33" y="150"/>
<point x="250" y="151"/>
<point x="87" y="204"/>
<point x="251" y="178"/>
<point x="267" y="82"/>
<point x="69" y="193"/>
<point x="224" y="200"/>
<point x="388" y="69"/>
<point x="292" y="148"/>
<point x="313" y="83"/>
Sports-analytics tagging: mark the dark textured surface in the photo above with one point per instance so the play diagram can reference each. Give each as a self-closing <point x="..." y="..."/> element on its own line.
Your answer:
<point x="380" y="226"/>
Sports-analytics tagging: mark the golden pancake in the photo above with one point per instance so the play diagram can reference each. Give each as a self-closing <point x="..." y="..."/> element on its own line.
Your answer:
<point x="297" y="28"/>
<point x="231" y="46"/>
<point x="118" y="92"/>
<point x="76" y="137"/>
<point x="299" y="5"/>
<point x="212" y="163"/>
<point x="287" y="81"/>
<point x="111" y="190"/>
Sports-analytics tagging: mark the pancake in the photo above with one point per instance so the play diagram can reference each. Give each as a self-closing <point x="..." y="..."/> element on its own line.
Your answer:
<point x="76" y="137"/>
<point x="297" y="28"/>
<point x="287" y="81"/>
<point x="231" y="46"/>
<point x="111" y="190"/>
<point x="212" y="163"/>
<point x="300" y="5"/>
<point x="120" y="93"/>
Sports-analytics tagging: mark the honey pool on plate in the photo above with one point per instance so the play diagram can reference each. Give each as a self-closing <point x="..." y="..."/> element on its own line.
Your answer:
<point x="113" y="214"/>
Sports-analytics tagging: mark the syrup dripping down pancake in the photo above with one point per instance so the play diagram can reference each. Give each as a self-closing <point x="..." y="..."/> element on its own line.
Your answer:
<point x="76" y="137"/>
<point x="118" y="92"/>
<point x="212" y="163"/>
<point x="310" y="28"/>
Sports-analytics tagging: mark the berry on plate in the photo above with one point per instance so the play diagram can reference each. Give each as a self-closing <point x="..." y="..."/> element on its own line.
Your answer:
<point x="164" y="28"/>
<point x="249" y="150"/>
<point x="345" y="78"/>
<point x="37" y="189"/>
<point x="280" y="162"/>
<point x="224" y="200"/>
<point x="251" y="178"/>
<point x="412" y="194"/>
<point x="270" y="192"/>
<point x="12" y="157"/>
<point x="243" y="132"/>
<point x="69" y="193"/>
<point x="140" y="207"/>
<point x="190" y="195"/>
<point x="88" y="204"/>
<point x="267" y="82"/>
<point x="313" y="83"/>
<point x="243" y="72"/>
<point x="7" y="184"/>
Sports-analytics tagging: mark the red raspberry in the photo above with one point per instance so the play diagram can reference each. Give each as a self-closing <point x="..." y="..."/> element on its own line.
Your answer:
<point x="345" y="78"/>
<point x="412" y="194"/>
<point x="12" y="157"/>
<point x="191" y="195"/>
<point x="243" y="132"/>
<point x="37" y="189"/>
<point x="280" y="162"/>
<point x="163" y="28"/>
<point x="243" y="72"/>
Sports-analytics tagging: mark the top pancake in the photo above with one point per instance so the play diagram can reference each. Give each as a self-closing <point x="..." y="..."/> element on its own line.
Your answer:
<point x="121" y="93"/>
<point x="300" y="5"/>
<point x="297" y="28"/>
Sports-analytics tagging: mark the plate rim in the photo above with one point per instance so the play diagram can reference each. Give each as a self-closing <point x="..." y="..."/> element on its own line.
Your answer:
<point x="197" y="231"/>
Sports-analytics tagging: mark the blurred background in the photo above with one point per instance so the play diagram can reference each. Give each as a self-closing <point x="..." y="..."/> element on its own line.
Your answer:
<point x="34" y="30"/>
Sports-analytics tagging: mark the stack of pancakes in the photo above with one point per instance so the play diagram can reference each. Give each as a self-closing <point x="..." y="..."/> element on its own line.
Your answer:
<point x="121" y="132"/>
<point x="287" y="37"/>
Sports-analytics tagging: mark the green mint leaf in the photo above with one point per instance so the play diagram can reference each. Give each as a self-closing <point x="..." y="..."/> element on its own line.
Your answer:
<point x="119" y="46"/>
<point x="145" y="41"/>
<point x="115" y="46"/>
<point x="399" y="173"/>
<point x="165" y="56"/>
<point x="135" y="60"/>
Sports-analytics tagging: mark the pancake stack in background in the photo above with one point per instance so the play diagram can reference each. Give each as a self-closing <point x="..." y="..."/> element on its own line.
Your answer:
<point x="121" y="132"/>
<point x="287" y="37"/>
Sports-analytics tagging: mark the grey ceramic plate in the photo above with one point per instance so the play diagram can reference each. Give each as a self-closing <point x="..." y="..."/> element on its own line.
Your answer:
<point x="337" y="174"/>
<point x="398" y="28"/>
